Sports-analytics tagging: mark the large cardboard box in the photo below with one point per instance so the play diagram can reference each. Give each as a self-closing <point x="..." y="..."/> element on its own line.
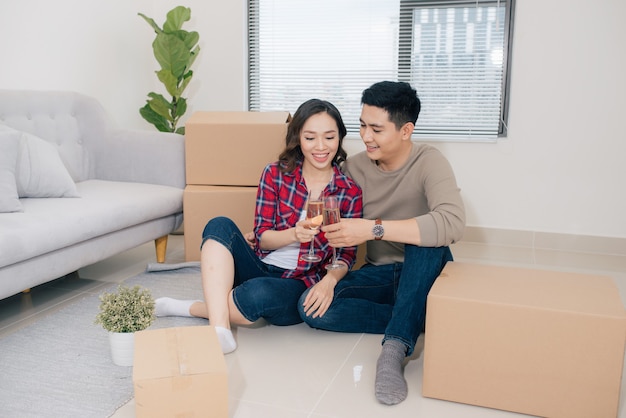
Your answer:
<point x="538" y="342"/>
<point x="232" y="148"/>
<point x="180" y="372"/>
<point x="202" y="203"/>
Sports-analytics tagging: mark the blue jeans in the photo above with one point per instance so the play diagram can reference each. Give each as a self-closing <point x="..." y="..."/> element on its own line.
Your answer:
<point x="259" y="291"/>
<point x="389" y="299"/>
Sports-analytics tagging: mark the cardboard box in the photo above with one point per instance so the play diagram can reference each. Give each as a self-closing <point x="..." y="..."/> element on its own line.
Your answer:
<point x="203" y="203"/>
<point x="232" y="148"/>
<point x="179" y="372"/>
<point x="537" y="342"/>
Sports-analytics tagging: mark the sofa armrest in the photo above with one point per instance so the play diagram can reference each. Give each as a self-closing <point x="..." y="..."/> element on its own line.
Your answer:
<point x="143" y="157"/>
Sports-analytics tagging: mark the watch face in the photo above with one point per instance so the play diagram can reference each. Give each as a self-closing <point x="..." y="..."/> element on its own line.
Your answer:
<point x="378" y="231"/>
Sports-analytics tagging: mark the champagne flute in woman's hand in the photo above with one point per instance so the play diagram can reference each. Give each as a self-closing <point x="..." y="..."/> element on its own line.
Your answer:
<point x="332" y="216"/>
<point x="314" y="216"/>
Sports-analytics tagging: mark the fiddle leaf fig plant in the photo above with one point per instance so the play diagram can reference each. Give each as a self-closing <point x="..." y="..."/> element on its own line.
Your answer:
<point x="175" y="49"/>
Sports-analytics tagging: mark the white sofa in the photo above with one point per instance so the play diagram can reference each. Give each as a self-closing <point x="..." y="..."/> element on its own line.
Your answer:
<point x="75" y="190"/>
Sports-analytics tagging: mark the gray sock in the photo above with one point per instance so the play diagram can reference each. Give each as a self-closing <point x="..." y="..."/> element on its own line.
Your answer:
<point x="390" y="385"/>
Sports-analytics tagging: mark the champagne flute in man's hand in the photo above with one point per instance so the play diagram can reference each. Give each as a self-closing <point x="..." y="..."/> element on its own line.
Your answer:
<point x="332" y="216"/>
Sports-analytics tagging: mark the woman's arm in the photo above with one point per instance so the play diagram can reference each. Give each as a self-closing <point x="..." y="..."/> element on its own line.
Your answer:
<point x="272" y="239"/>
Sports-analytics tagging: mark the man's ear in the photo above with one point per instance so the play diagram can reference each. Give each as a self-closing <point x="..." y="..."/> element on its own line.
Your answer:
<point x="407" y="130"/>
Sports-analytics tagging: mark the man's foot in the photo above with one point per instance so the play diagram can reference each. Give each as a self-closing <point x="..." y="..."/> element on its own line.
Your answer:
<point x="226" y="339"/>
<point x="172" y="307"/>
<point x="391" y="388"/>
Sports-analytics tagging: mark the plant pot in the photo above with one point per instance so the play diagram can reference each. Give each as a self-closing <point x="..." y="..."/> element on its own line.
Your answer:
<point x="122" y="347"/>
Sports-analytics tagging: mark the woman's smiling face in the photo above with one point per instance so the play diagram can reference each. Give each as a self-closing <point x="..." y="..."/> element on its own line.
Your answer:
<point x="319" y="140"/>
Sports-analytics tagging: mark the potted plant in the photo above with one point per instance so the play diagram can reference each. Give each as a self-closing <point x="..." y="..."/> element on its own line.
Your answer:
<point x="175" y="50"/>
<point x="122" y="313"/>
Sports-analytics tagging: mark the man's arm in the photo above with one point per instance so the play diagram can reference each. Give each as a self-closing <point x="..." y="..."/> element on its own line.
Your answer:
<point x="353" y="231"/>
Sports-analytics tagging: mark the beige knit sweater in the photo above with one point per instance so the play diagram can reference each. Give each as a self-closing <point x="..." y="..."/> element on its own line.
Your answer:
<point x="424" y="188"/>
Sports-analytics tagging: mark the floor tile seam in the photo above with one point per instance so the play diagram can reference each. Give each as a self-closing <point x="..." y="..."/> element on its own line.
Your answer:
<point x="98" y="286"/>
<point x="267" y="404"/>
<point x="334" y="377"/>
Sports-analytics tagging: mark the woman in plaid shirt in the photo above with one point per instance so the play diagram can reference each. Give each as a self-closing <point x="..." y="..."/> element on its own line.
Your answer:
<point x="243" y="283"/>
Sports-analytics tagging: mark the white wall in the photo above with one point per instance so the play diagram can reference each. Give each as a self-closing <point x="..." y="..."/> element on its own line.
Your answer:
<point x="104" y="49"/>
<point x="559" y="170"/>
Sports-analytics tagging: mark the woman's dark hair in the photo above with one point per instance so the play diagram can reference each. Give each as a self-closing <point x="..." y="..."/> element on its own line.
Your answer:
<point x="292" y="152"/>
<point x="397" y="98"/>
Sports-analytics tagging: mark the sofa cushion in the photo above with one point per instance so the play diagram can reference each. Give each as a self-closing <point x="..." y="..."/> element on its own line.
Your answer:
<point x="38" y="168"/>
<point x="77" y="125"/>
<point x="9" y="146"/>
<point x="40" y="171"/>
<point x="104" y="207"/>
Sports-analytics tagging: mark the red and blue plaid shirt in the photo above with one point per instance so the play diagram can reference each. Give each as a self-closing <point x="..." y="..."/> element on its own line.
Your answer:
<point x="281" y="198"/>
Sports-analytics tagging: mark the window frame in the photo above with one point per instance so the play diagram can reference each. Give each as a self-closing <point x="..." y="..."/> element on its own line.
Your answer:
<point x="404" y="50"/>
<point x="405" y="46"/>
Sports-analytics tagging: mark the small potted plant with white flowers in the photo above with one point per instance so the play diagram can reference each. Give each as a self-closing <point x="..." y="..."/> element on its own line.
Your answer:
<point x="122" y="313"/>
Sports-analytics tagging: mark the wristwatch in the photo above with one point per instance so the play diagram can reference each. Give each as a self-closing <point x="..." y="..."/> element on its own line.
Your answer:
<point x="378" y="229"/>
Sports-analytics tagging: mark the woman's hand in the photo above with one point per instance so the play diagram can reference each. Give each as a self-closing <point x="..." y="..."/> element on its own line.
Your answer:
<point x="272" y="240"/>
<point x="319" y="298"/>
<point x="250" y="239"/>
<point x="303" y="232"/>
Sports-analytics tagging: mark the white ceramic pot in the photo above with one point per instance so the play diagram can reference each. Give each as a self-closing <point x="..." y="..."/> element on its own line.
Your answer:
<point x="122" y="347"/>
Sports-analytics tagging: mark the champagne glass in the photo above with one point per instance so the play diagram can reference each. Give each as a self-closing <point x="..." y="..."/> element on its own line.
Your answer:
<point x="314" y="215"/>
<point x="332" y="216"/>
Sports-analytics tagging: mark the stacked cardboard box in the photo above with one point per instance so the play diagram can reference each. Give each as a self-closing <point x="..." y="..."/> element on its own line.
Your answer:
<point x="225" y="154"/>
<point x="538" y="342"/>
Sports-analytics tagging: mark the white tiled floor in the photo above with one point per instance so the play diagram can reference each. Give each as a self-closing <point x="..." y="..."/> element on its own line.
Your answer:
<point x="296" y="371"/>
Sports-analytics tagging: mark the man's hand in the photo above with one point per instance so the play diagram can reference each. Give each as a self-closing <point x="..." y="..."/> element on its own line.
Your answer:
<point x="348" y="232"/>
<point x="320" y="297"/>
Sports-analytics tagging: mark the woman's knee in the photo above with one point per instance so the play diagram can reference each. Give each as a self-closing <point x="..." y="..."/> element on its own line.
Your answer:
<point x="218" y="226"/>
<point x="220" y="229"/>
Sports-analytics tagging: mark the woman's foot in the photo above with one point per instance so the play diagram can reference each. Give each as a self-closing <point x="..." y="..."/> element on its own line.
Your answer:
<point x="226" y="339"/>
<point x="172" y="307"/>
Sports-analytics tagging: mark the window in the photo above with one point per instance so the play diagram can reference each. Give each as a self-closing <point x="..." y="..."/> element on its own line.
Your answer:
<point x="455" y="53"/>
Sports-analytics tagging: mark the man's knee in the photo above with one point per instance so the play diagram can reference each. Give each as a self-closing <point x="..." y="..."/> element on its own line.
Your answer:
<point x="440" y="255"/>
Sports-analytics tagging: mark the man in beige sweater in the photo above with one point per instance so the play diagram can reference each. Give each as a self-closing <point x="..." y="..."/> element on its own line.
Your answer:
<point x="412" y="212"/>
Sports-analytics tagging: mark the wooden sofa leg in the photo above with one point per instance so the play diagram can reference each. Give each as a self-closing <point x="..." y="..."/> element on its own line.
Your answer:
<point x="161" y="248"/>
<point x="26" y="290"/>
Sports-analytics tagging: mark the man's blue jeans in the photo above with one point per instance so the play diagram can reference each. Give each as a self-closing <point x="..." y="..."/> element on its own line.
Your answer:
<point x="389" y="299"/>
<point x="259" y="291"/>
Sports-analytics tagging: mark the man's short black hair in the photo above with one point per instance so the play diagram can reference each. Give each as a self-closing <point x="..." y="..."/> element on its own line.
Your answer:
<point x="398" y="98"/>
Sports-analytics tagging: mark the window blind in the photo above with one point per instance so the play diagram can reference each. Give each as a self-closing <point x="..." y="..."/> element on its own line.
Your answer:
<point x="454" y="53"/>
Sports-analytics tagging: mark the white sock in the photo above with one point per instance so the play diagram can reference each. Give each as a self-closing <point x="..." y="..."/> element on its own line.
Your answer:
<point x="226" y="339"/>
<point x="172" y="307"/>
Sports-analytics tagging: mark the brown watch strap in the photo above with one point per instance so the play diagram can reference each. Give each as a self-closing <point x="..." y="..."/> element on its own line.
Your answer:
<point x="378" y="221"/>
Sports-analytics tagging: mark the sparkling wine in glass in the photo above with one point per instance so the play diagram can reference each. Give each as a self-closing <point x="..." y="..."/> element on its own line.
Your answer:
<point x="332" y="216"/>
<point x="314" y="214"/>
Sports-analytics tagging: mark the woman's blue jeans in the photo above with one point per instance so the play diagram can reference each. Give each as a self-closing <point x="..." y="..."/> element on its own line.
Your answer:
<point x="259" y="291"/>
<point x="389" y="299"/>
